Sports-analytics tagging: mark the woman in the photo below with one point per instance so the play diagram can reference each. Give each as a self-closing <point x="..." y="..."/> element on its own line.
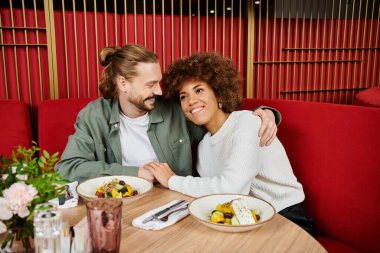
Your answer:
<point x="230" y="159"/>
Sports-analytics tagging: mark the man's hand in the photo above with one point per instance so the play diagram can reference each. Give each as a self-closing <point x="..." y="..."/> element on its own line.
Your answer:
<point x="161" y="171"/>
<point x="146" y="174"/>
<point x="268" y="129"/>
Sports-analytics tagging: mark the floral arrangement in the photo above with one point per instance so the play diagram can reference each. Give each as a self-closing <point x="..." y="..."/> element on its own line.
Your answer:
<point x="26" y="181"/>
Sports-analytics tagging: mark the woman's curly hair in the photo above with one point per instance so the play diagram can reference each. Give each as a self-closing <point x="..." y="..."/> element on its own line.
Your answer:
<point x="216" y="71"/>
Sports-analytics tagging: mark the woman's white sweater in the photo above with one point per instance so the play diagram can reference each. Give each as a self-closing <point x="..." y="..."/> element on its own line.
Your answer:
<point x="231" y="161"/>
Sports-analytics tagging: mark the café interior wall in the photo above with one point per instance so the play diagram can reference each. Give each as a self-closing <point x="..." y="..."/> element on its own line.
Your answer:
<point x="293" y="59"/>
<point x="25" y="72"/>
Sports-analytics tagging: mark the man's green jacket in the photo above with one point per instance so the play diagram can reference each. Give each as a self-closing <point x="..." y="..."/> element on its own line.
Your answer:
<point x="94" y="149"/>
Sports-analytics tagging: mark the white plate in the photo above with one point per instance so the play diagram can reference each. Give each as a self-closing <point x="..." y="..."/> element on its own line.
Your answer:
<point x="201" y="209"/>
<point x="87" y="189"/>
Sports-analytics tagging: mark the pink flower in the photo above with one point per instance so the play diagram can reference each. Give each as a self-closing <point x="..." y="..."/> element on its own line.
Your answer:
<point x="5" y="211"/>
<point x="3" y="228"/>
<point x="19" y="196"/>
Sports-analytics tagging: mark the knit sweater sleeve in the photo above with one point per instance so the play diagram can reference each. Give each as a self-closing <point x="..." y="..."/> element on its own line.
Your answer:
<point x="239" y="162"/>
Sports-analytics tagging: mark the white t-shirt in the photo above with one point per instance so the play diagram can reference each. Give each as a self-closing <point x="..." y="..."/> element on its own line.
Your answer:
<point x="231" y="161"/>
<point x="135" y="144"/>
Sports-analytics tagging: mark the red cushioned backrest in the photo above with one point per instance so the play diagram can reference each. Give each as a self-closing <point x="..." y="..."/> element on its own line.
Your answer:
<point x="56" y="120"/>
<point x="368" y="97"/>
<point x="335" y="153"/>
<point x="15" y="126"/>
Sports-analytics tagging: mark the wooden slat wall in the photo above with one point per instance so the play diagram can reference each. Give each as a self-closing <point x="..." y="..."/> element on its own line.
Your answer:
<point x="317" y="50"/>
<point x="284" y="49"/>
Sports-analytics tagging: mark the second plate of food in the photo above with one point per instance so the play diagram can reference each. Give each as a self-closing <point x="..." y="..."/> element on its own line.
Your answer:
<point x="126" y="188"/>
<point x="217" y="212"/>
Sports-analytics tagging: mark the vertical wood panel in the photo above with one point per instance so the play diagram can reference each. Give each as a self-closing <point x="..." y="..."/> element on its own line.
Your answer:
<point x="280" y="80"/>
<point x="190" y="29"/>
<point x="250" y="45"/>
<point x="239" y="46"/>
<point x="4" y="61"/>
<point x="342" y="55"/>
<point x="163" y="36"/>
<point x="50" y="35"/>
<point x="126" y="24"/>
<point x="375" y="80"/>
<point x="364" y="36"/>
<point x="27" y="52"/>
<point x="309" y="39"/>
<point x="38" y="51"/>
<point x="232" y="29"/>
<point x="86" y="41"/>
<point x="76" y="50"/>
<point x="369" y="52"/>
<point x="96" y="43"/>
<point x="144" y="5"/>
<point x="316" y="77"/>
<point x="154" y="27"/>
<point x="274" y="39"/>
<point x="15" y="51"/>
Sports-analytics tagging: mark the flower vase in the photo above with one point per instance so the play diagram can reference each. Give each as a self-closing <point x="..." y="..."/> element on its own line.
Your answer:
<point x="22" y="245"/>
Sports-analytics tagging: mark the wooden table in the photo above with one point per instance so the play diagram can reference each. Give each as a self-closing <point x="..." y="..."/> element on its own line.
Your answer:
<point x="188" y="235"/>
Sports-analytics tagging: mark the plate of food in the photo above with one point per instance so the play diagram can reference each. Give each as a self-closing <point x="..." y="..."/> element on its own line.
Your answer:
<point x="126" y="188"/>
<point x="231" y="212"/>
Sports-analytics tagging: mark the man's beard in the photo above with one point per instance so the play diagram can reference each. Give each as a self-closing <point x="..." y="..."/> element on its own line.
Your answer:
<point x="140" y="103"/>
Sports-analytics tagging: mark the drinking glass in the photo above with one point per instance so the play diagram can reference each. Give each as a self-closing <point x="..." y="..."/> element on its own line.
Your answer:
<point x="104" y="223"/>
<point x="47" y="231"/>
<point x="44" y="207"/>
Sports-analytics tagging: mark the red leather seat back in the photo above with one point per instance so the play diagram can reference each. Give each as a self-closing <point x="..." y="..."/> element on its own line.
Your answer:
<point x="15" y="126"/>
<point x="368" y="97"/>
<point x="56" y="120"/>
<point x="335" y="153"/>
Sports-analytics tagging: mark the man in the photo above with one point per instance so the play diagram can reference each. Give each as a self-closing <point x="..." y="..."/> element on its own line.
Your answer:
<point x="132" y="126"/>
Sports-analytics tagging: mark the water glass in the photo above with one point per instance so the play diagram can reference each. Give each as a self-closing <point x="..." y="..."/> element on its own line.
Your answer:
<point x="44" y="207"/>
<point x="104" y="223"/>
<point x="47" y="230"/>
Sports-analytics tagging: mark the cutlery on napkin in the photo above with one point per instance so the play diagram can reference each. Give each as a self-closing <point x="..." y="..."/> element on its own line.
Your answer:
<point x="151" y="217"/>
<point x="70" y="199"/>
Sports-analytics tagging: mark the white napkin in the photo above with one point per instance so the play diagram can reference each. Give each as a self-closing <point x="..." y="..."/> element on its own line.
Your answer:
<point x="157" y="224"/>
<point x="72" y="202"/>
<point x="82" y="240"/>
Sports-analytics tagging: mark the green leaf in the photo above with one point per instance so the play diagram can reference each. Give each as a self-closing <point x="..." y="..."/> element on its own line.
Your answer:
<point x="43" y="159"/>
<point x="46" y="154"/>
<point x="55" y="155"/>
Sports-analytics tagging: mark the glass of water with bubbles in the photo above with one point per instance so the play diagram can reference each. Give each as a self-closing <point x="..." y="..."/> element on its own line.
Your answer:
<point x="47" y="229"/>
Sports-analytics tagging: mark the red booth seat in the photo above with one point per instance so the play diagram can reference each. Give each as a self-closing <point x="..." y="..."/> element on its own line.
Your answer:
<point x="56" y="120"/>
<point x="334" y="151"/>
<point x="368" y="97"/>
<point x="15" y="126"/>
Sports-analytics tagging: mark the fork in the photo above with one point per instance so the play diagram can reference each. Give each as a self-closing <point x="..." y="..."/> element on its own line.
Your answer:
<point x="166" y="217"/>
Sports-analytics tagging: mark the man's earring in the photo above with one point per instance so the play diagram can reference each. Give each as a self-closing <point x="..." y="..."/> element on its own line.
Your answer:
<point x="220" y="105"/>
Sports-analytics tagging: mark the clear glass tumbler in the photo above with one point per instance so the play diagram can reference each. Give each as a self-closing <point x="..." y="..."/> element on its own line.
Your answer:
<point x="47" y="230"/>
<point x="104" y="223"/>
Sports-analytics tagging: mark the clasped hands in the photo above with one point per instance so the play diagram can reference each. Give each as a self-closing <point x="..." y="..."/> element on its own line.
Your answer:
<point x="161" y="172"/>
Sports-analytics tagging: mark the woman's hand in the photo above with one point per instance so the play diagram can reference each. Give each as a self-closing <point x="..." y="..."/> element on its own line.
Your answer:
<point x="146" y="174"/>
<point x="268" y="129"/>
<point x="161" y="171"/>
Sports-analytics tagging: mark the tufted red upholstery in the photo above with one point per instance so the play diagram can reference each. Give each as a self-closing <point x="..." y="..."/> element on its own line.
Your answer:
<point x="334" y="151"/>
<point x="56" y="120"/>
<point x="368" y="97"/>
<point x="15" y="126"/>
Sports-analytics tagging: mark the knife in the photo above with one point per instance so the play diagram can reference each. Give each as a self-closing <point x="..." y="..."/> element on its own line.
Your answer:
<point x="156" y="215"/>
